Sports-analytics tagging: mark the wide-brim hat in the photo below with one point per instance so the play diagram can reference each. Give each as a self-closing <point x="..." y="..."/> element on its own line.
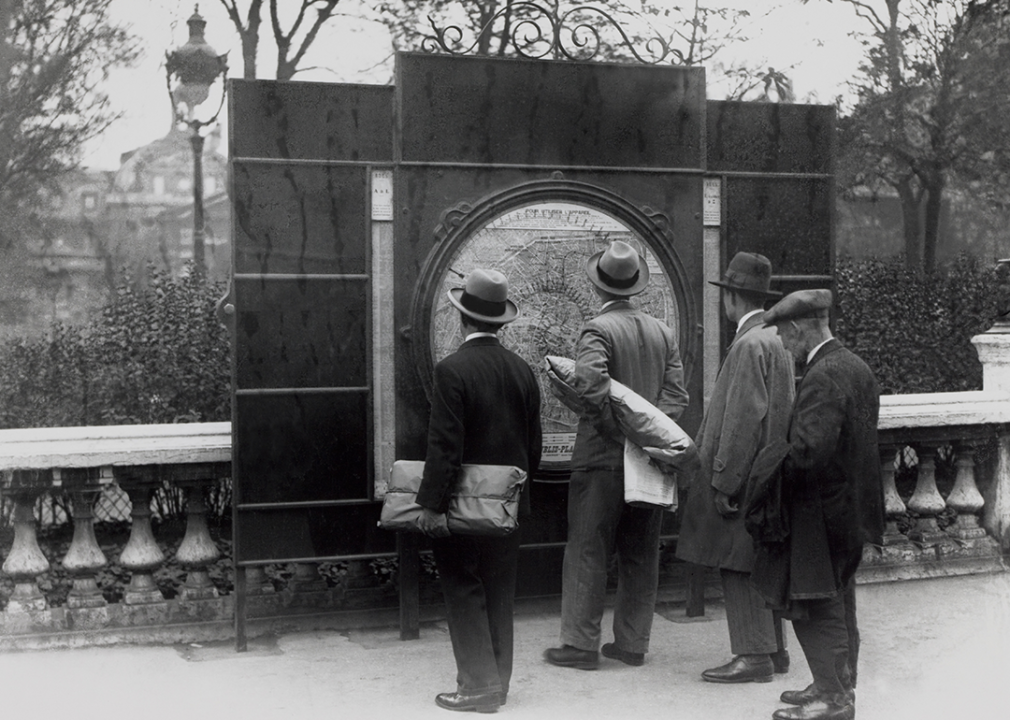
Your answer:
<point x="484" y="297"/>
<point x="748" y="273"/>
<point x="619" y="269"/>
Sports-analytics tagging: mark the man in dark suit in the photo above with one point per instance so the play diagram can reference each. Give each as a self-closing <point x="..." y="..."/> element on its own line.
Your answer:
<point x="624" y="344"/>
<point x="485" y="409"/>
<point x="748" y="412"/>
<point x="833" y="502"/>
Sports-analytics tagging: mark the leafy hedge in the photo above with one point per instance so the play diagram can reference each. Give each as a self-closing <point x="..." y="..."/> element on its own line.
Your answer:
<point x="157" y="354"/>
<point x="915" y="330"/>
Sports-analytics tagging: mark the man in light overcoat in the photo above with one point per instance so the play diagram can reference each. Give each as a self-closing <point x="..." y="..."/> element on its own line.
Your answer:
<point x="748" y="412"/>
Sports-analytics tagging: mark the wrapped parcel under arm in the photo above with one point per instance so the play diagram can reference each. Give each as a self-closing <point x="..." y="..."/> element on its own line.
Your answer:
<point x="641" y="422"/>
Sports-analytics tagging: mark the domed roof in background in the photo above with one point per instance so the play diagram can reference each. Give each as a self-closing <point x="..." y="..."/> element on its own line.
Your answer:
<point x="170" y="152"/>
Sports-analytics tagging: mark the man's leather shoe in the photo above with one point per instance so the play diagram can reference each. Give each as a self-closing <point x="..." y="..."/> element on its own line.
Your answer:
<point x="568" y="656"/>
<point x="741" y="669"/>
<point x="780" y="659"/>
<point x="801" y="697"/>
<point x="482" y="703"/>
<point x="817" y="710"/>
<point x="613" y="652"/>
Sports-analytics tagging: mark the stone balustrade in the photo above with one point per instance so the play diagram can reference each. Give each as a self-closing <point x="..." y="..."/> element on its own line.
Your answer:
<point x="79" y="465"/>
<point x="929" y="533"/>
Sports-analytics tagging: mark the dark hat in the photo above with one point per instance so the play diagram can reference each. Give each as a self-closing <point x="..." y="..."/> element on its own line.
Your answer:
<point x="619" y="269"/>
<point x="485" y="297"/>
<point x="748" y="273"/>
<point x="798" y="305"/>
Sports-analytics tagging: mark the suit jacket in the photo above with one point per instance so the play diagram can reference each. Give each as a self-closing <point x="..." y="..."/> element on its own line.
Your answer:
<point x="633" y="348"/>
<point x="834" y="493"/>
<point x="748" y="411"/>
<point x="485" y="408"/>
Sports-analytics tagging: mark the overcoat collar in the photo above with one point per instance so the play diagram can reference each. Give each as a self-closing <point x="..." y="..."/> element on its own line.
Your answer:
<point x="826" y="349"/>
<point x="480" y="342"/>
<point x="755" y="320"/>
<point x="616" y="305"/>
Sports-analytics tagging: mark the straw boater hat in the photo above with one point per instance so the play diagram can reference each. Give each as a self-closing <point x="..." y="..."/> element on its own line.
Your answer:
<point x="798" y="305"/>
<point x="485" y="297"/>
<point x="748" y="273"/>
<point x="619" y="270"/>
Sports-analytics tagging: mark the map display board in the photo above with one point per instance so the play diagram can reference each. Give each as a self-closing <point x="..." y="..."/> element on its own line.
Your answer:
<point x="542" y="249"/>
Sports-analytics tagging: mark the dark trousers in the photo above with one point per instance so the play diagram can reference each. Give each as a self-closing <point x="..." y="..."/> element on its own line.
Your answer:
<point x="826" y="630"/>
<point x="600" y="523"/>
<point x="478" y="577"/>
<point x="754" y="629"/>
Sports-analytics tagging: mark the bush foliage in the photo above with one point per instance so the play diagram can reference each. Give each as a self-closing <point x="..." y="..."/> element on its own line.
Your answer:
<point x="914" y="330"/>
<point x="157" y="354"/>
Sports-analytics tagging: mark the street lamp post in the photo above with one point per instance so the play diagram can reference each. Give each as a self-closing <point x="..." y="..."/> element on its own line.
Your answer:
<point x="195" y="67"/>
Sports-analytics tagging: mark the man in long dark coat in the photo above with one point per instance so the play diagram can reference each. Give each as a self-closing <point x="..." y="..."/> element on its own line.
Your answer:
<point x="833" y="502"/>
<point x="485" y="409"/>
<point x="748" y="411"/>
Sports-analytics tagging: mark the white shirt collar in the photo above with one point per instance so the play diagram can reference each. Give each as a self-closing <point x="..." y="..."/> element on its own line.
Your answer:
<point x="810" y="355"/>
<point x="473" y="335"/>
<point x="747" y="317"/>
<point x="611" y="302"/>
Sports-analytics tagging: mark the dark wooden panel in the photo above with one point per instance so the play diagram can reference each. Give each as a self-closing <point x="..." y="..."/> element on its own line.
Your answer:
<point x="770" y="137"/>
<point x="316" y="121"/>
<point x="484" y="110"/>
<point x="312" y="533"/>
<point x="300" y="219"/>
<point x="301" y="447"/>
<point x="786" y="219"/>
<point x="301" y="333"/>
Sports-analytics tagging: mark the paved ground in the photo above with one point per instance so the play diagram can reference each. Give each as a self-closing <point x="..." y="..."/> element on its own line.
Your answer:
<point x="931" y="649"/>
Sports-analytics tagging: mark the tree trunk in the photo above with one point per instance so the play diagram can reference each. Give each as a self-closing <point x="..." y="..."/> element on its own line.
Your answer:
<point x="250" y="44"/>
<point x="931" y="231"/>
<point x="911" y="222"/>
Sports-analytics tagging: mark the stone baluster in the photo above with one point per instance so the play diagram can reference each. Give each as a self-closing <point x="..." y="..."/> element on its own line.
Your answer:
<point x="141" y="555"/>
<point x="965" y="497"/>
<point x="25" y="561"/>
<point x="197" y="550"/>
<point x="894" y="506"/>
<point x="926" y="502"/>
<point x="257" y="582"/>
<point x="84" y="558"/>
<point x="306" y="578"/>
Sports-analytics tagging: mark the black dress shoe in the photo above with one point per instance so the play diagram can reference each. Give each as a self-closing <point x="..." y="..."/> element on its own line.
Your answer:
<point x="780" y="659"/>
<point x="613" y="652"/>
<point x="741" y="669"/>
<point x="482" y="703"/>
<point x="568" y="656"/>
<point x="801" y="697"/>
<point x="817" y="710"/>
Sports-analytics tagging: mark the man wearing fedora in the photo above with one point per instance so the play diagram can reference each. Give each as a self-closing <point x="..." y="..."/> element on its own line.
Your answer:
<point x="627" y="345"/>
<point x="832" y="502"/>
<point x="748" y="412"/>
<point x="485" y="409"/>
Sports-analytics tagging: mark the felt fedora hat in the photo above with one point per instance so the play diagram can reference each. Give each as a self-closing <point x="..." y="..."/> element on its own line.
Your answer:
<point x="799" y="305"/>
<point x="619" y="269"/>
<point x="484" y="297"/>
<point x="748" y="273"/>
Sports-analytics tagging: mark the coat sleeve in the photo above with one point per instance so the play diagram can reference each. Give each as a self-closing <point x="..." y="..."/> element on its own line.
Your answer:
<point x="536" y="445"/>
<point x="673" y="396"/>
<point x="746" y="406"/>
<point x="446" y="435"/>
<point x="817" y="422"/>
<point x="592" y="381"/>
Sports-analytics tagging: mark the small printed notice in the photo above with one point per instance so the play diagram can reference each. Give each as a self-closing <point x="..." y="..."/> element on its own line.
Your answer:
<point x="557" y="447"/>
<point x="712" y="211"/>
<point x="382" y="195"/>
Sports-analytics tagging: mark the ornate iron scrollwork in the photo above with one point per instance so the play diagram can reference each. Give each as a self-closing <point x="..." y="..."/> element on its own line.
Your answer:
<point x="536" y="32"/>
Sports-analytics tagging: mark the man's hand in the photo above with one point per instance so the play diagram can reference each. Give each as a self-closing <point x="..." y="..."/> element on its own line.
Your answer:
<point x="433" y="524"/>
<point x="724" y="504"/>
